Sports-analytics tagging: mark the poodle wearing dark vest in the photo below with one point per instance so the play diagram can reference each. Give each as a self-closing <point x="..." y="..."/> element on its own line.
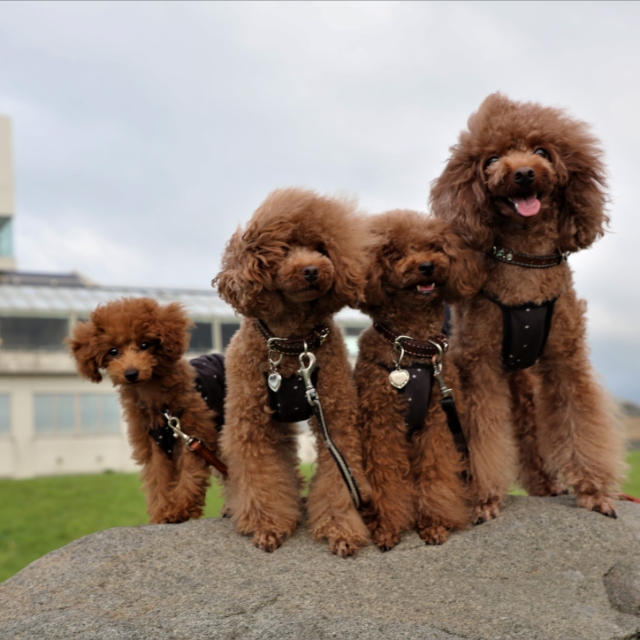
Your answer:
<point x="140" y="345"/>
<point x="415" y="461"/>
<point x="298" y="260"/>
<point x="525" y="186"/>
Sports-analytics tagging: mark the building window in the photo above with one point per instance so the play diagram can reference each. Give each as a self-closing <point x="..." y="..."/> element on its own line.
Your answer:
<point x="5" y="419"/>
<point x="76" y="414"/>
<point x="201" y="337"/>
<point x="227" y="329"/>
<point x="33" y="333"/>
<point x="6" y="248"/>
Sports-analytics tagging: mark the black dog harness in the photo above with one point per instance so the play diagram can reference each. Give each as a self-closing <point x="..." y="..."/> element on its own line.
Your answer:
<point x="288" y="396"/>
<point x="419" y="384"/>
<point x="210" y="383"/>
<point x="525" y="328"/>
<point x="289" y="402"/>
<point x="417" y="393"/>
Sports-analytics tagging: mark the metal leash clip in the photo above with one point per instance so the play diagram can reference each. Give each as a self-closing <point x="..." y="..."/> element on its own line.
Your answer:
<point x="174" y="425"/>
<point x="445" y="391"/>
<point x="305" y="371"/>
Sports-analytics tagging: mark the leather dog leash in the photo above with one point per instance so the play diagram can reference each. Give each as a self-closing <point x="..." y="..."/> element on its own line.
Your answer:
<point x="195" y="445"/>
<point x="301" y="347"/>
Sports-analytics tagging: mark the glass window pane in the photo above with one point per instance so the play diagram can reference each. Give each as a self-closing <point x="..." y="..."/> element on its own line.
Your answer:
<point x="89" y="412"/>
<point x="227" y="329"/>
<point x="53" y="413"/>
<point x="5" y="419"/>
<point x="111" y="414"/>
<point x="64" y="413"/>
<point x="201" y="337"/>
<point x="43" y="412"/>
<point x="33" y="333"/>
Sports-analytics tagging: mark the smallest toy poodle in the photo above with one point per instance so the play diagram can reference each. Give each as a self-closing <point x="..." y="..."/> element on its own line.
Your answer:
<point x="173" y="406"/>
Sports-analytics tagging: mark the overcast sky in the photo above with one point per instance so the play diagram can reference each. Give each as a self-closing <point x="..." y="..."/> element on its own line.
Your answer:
<point x="145" y="133"/>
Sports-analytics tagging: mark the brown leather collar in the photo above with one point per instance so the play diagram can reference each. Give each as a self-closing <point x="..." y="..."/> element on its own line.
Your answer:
<point x="293" y="346"/>
<point x="414" y="348"/>
<point x="501" y="254"/>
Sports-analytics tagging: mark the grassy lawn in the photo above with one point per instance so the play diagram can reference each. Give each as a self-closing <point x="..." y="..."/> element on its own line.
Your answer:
<point x="42" y="514"/>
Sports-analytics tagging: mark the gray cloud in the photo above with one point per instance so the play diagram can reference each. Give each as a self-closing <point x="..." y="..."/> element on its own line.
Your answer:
<point x="144" y="133"/>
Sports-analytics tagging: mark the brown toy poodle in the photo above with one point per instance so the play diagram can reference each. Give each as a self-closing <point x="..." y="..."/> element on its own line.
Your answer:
<point x="525" y="186"/>
<point x="415" y="465"/>
<point x="298" y="261"/>
<point x="140" y="344"/>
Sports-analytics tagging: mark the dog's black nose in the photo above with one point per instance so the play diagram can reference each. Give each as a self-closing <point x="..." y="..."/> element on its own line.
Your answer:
<point x="524" y="176"/>
<point x="310" y="273"/>
<point x="131" y="375"/>
<point x="426" y="268"/>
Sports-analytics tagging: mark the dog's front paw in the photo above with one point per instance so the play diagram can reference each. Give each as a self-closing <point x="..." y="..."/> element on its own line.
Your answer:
<point x="487" y="510"/>
<point x="434" y="533"/>
<point x="385" y="539"/>
<point x="597" y="502"/>
<point x="342" y="547"/>
<point x="268" y="540"/>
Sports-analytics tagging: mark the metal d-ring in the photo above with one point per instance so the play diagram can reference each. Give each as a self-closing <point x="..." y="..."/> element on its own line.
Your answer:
<point x="399" y="349"/>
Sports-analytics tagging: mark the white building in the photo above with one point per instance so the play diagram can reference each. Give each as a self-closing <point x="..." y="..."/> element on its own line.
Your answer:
<point x="51" y="420"/>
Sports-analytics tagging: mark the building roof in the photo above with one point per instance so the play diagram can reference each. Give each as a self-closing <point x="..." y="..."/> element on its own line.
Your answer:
<point x="24" y="292"/>
<point x="64" y="293"/>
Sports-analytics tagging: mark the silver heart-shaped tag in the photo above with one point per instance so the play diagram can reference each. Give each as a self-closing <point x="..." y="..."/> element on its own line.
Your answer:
<point x="399" y="378"/>
<point x="274" y="381"/>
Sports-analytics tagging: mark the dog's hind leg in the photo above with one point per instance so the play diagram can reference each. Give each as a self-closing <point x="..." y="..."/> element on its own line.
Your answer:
<point x="532" y="475"/>
<point x="578" y="437"/>
<point x="442" y="497"/>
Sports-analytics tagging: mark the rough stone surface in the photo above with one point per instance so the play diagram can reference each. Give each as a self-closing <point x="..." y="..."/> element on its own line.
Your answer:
<point x="543" y="570"/>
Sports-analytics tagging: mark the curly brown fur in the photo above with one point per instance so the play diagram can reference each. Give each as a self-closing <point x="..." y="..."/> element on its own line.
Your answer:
<point x="415" y="482"/>
<point x="531" y="179"/>
<point x="140" y="344"/>
<point x="263" y="276"/>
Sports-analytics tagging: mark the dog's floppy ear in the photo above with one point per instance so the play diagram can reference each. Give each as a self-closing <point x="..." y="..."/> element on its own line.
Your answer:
<point x="171" y="328"/>
<point x="459" y="197"/>
<point x="84" y="349"/>
<point x="241" y="279"/>
<point x="582" y="184"/>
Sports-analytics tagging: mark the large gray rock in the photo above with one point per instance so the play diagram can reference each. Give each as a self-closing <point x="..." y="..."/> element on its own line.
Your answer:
<point x="544" y="569"/>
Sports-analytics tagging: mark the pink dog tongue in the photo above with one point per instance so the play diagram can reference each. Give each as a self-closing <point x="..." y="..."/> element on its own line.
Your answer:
<point x="527" y="206"/>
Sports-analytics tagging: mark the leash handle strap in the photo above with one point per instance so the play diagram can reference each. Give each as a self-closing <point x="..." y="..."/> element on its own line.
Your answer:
<point x="453" y="421"/>
<point x="307" y="364"/>
<point x="341" y="463"/>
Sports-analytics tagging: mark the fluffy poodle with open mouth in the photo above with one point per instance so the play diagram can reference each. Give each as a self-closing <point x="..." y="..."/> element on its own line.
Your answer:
<point x="415" y="456"/>
<point x="525" y="186"/>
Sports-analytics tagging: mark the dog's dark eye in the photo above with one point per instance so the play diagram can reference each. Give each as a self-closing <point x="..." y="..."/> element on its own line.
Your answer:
<point x="113" y="352"/>
<point x="489" y="161"/>
<point x="542" y="153"/>
<point x="144" y="346"/>
<point x="322" y="249"/>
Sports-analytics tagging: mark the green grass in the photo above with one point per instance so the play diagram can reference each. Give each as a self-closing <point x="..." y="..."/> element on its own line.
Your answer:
<point x="42" y="514"/>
